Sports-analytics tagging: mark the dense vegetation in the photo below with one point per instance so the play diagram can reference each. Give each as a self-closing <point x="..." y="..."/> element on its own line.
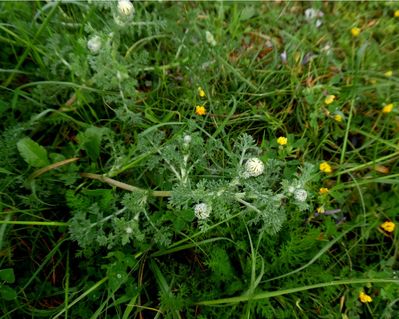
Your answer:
<point x="199" y="159"/>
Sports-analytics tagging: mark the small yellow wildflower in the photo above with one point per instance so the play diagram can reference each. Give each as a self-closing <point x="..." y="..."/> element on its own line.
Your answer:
<point x="396" y="14"/>
<point x="387" y="108"/>
<point x="201" y="92"/>
<point x="282" y="140"/>
<point x="388" y="226"/>
<point x="325" y="167"/>
<point x="200" y="110"/>
<point x="355" y="32"/>
<point x="338" y="118"/>
<point x="388" y="73"/>
<point x="320" y="210"/>
<point x="329" y="99"/>
<point x="323" y="190"/>
<point x="363" y="297"/>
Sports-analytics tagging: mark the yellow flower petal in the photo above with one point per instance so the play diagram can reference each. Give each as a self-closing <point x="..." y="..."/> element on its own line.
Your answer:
<point x="282" y="140"/>
<point x="338" y="118"/>
<point x="355" y="32"/>
<point x="329" y="99"/>
<point x="388" y="73"/>
<point x="201" y="92"/>
<point x="200" y="110"/>
<point x="387" y="108"/>
<point x="323" y="190"/>
<point x="396" y="14"/>
<point x="388" y="226"/>
<point x="325" y="167"/>
<point x="364" y="298"/>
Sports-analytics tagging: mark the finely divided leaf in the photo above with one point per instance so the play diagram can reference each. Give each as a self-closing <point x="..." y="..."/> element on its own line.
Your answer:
<point x="33" y="153"/>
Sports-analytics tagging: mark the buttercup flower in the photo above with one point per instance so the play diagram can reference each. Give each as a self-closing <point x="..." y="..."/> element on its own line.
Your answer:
<point x="282" y="140"/>
<point x="396" y="14"/>
<point x="387" y="108"/>
<point x="355" y="32"/>
<point x="202" y="211"/>
<point x="200" y="110"/>
<point x="338" y="117"/>
<point x="388" y="73"/>
<point x="254" y="167"/>
<point x="125" y="8"/>
<point x="364" y="298"/>
<point x="320" y="210"/>
<point x="323" y="190"/>
<point x="329" y="99"/>
<point x="388" y="226"/>
<point x="201" y="92"/>
<point x="325" y="167"/>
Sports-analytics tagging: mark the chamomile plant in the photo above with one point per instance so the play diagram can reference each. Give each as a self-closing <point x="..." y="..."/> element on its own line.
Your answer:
<point x="208" y="182"/>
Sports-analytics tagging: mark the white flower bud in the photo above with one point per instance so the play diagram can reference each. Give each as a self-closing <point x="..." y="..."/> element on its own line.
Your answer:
<point x="254" y="167"/>
<point x="300" y="195"/>
<point x="125" y="8"/>
<point x="129" y="230"/>
<point x="210" y="39"/>
<point x="187" y="139"/>
<point x="202" y="211"/>
<point x="94" y="44"/>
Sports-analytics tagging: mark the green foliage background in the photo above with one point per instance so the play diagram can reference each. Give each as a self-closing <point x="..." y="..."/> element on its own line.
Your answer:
<point x="95" y="222"/>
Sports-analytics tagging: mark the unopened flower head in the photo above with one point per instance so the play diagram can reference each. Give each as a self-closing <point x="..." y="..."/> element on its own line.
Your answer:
<point x="202" y="211"/>
<point x="323" y="190"/>
<point x="355" y="32"/>
<point x="282" y="140"/>
<point x="187" y="139"/>
<point x="254" y="167"/>
<point x="387" y="108"/>
<point x="325" y="167"/>
<point x="300" y="195"/>
<point x="210" y="39"/>
<point x="201" y="92"/>
<point x="329" y="99"/>
<point x="129" y="230"/>
<point x="364" y="298"/>
<point x="200" y="110"/>
<point x="388" y="226"/>
<point x="125" y="8"/>
<point x="388" y="73"/>
<point x="94" y="44"/>
<point x="338" y="117"/>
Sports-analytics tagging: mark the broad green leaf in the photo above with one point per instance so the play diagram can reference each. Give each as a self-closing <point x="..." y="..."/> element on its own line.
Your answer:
<point x="90" y="141"/>
<point x="34" y="154"/>
<point x="7" y="293"/>
<point x="7" y="275"/>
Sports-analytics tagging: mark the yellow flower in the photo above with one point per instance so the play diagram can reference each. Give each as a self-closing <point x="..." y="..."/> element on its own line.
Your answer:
<point x="329" y="99"/>
<point x="388" y="226"/>
<point x="320" y="210"/>
<point x="387" y="108"/>
<point x="282" y="140"/>
<point x="323" y="190"/>
<point x="201" y="92"/>
<point x="363" y="297"/>
<point x="338" y="118"/>
<point x="325" y="167"/>
<point x="396" y="14"/>
<point x="355" y="32"/>
<point x="388" y="73"/>
<point x="200" y="110"/>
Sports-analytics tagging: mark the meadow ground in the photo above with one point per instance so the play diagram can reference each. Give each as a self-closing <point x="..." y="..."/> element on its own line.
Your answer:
<point x="199" y="159"/>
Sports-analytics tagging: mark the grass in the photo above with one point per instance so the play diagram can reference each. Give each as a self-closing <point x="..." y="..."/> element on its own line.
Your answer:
<point x="103" y="127"/>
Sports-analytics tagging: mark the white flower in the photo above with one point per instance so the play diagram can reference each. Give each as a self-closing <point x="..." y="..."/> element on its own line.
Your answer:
<point x="210" y="39"/>
<point x="254" y="167"/>
<point x="129" y="230"/>
<point x="202" y="211"/>
<point x="94" y="44"/>
<point x="125" y="8"/>
<point x="291" y="189"/>
<point x="311" y="14"/>
<point x="300" y="195"/>
<point x="187" y="139"/>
